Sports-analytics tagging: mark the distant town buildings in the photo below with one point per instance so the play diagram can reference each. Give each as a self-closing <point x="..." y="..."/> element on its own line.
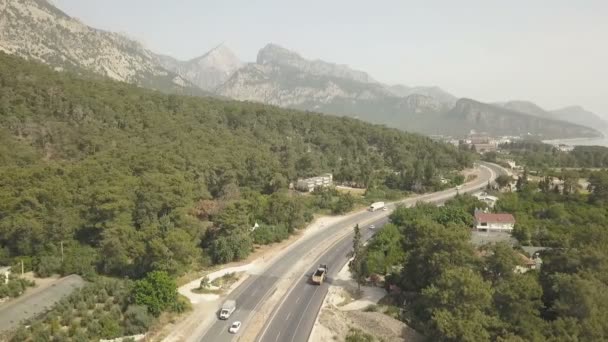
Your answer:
<point x="310" y="184"/>
<point x="482" y="142"/>
<point x="565" y="148"/>
<point x="489" y="222"/>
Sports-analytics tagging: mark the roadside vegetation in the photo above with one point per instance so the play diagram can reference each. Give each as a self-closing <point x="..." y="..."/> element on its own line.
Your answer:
<point x="14" y="287"/>
<point x="105" y="309"/>
<point x="455" y="292"/>
<point x="218" y="285"/>
<point x="356" y="335"/>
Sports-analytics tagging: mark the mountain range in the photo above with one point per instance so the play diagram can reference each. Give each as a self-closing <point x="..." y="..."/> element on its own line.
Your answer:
<point x="35" y="29"/>
<point x="207" y="71"/>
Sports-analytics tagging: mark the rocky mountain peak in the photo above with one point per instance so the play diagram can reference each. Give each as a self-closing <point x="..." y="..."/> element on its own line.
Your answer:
<point x="35" y="29"/>
<point x="275" y="54"/>
<point x="220" y="58"/>
<point x="207" y="71"/>
<point x="272" y="53"/>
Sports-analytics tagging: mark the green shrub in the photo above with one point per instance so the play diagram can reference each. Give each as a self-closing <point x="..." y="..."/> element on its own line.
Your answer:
<point x="182" y="304"/>
<point x="137" y="319"/>
<point x="110" y="328"/>
<point x="47" y="265"/>
<point x="356" y="335"/>
<point x="267" y="234"/>
<point x="21" y="334"/>
<point x="371" y="308"/>
<point x="156" y="291"/>
<point x="94" y="328"/>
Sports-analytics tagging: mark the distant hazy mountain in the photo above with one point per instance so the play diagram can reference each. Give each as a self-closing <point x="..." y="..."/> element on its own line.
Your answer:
<point x="284" y="78"/>
<point x="288" y="86"/>
<point x="207" y="71"/>
<point x="579" y="115"/>
<point x="573" y="114"/>
<point x="35" y="29"/>
<point x="434" y="92"/>
<point x="527" y="107"/>
<point x="470" y="114"/>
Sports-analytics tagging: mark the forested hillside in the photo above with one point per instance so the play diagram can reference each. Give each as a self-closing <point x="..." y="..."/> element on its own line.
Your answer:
<point x="131" y="180"/>
<point x="455" y="291"/>
<point x="539" y="155"/>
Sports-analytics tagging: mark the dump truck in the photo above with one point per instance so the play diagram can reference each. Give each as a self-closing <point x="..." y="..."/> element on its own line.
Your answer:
<point x="376" y="206"/>
<point x="319" y="276"/>
<point x="227" y="309"/>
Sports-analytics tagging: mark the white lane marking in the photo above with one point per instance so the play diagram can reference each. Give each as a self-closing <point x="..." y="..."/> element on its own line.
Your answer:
<point x="253" y="292"/>
<point x="298" y="300"/>
<point x="295" y="332"/>
<point x="288" y="315"/>
<point x="278" y="335"/>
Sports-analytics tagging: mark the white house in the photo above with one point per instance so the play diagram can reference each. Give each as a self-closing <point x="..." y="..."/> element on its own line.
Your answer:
<point x="528" y="264"/>
<point x="487" y="222"/>
<point x="310" y="184"/>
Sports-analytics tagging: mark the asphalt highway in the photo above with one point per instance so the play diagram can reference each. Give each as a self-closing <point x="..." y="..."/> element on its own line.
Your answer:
<point x="293" y="320"/>
<point x="294" y="317"/>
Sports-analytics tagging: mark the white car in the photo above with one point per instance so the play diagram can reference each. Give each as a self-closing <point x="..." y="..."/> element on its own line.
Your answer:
<point x="372" y="227"/>
<point x="234" y="328"/>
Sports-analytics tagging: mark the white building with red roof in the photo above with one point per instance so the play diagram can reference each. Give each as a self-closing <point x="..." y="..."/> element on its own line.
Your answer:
<point x="487" y="222"/>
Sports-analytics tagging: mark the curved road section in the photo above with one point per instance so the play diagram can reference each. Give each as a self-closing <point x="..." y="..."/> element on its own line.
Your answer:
<point x="294" y="317"/>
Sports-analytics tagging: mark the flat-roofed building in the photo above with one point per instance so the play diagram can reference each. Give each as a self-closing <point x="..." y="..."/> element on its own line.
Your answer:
<point x="310" y="184"/>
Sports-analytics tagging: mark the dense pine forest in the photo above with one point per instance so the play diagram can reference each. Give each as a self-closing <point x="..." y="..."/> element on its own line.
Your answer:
<point x="130" y="180"/>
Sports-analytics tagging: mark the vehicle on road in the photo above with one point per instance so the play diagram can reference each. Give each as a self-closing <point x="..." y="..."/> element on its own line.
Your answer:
<point x="372" y="227"/>
<point x="319" y="276"/>
<point x="458" y="187"/>
<point x="234" y="328"/>
<point x="227" y="309"/>
<point x="376" y="206"/>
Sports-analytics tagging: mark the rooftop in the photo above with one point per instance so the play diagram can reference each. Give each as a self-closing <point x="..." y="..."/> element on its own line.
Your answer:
<point x="494" y="218"/>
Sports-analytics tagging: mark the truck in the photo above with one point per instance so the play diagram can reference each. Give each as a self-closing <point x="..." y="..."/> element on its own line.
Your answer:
<point x="319" y="276"/>
<point x="376" y="206"/>
<point x="227" y="309"/>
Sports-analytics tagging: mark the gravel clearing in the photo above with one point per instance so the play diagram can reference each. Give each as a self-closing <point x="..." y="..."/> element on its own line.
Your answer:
<point x="338" y="315"/>
<point x="335" y="324"/>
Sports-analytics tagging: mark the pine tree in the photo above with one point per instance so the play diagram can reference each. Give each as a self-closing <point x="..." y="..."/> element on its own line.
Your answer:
<point x="357" y="266"/>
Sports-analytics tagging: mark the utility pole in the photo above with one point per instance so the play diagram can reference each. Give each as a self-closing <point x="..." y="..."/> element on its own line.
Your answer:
<point x="22" y="268"/>
<point x="61" y="243"/>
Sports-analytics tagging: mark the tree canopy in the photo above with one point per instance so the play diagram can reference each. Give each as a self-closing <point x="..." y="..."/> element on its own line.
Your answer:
<point x="456" y="292"/>
<point x="138" y="181"/>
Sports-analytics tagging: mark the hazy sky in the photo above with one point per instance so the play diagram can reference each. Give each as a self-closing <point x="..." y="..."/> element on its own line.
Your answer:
<point x="552" y="52"/>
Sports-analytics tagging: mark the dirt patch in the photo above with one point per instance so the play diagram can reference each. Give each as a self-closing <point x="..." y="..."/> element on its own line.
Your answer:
<point x="345" y="308"/>
<point x="218" y="285"/>
<point x="37" y="300"/>
<point x="335" y="324"/>
<point x="352" y="191"/>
